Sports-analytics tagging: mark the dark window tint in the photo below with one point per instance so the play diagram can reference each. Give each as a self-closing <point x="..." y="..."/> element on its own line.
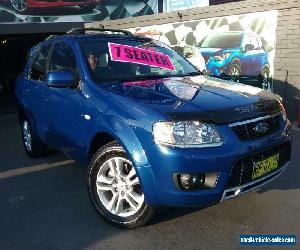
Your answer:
<point x="38" y="67"/>
<point x="62" y="58"/>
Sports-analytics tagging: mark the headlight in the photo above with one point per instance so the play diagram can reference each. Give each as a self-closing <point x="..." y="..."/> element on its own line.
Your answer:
<point x="222" y="57"/>
<point x="186" y="134"/>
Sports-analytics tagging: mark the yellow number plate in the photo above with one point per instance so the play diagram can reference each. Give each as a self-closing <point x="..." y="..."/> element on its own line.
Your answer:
<point x="262" y="167"/>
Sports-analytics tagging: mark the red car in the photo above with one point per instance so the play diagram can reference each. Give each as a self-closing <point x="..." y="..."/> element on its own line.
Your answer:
<point x="22" y="6"/>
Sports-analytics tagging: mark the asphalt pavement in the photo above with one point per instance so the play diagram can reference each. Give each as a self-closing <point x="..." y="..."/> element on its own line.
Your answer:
<point x="44" y="204"/>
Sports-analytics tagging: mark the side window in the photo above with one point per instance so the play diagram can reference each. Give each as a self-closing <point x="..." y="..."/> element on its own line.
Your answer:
<point x="38" y="67"/>
<point x="63" y="58"/>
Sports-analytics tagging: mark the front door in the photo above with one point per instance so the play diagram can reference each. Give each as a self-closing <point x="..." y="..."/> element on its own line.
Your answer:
<point x="64" y="104"/>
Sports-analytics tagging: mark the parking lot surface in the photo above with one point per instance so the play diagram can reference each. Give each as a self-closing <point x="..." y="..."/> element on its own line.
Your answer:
<point x="44" y="204"/>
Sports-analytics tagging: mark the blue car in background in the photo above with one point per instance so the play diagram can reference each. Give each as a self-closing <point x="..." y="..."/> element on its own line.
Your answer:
<point x="239" y="56"/>
<point x="151" y="129"/>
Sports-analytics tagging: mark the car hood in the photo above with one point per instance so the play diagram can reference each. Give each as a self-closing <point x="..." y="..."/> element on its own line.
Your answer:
<point x="200" y="97"/>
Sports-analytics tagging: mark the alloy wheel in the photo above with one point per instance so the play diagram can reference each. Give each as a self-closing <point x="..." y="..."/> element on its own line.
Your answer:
<point x="265" y="79"/>
<point x="27" y="136"/>
<point x="234" y="73"/>
<point x="19" y="5"/>
<point x="118" y="187"/>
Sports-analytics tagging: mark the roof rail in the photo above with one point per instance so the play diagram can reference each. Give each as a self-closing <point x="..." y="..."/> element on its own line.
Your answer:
<point x="74" y="31"/>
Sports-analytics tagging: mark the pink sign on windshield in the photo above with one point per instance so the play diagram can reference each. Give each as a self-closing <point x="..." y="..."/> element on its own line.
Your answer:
<point x="125" y="53"/>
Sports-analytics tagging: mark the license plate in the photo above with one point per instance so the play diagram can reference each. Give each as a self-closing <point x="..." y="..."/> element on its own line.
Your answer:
<point x="260" y="168"/>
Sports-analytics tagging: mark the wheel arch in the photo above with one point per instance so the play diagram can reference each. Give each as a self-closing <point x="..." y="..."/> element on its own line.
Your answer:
<point x="265" y="66"/>
<point x="125" y="136"/>
<point x="21" y="115"/>
<point x="99" y="140"/>
<point x="25" y="113"/>
<point x="236" y="60"/>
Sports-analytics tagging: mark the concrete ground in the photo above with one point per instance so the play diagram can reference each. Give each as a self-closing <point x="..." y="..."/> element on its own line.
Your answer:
<point x="44" y="205"/>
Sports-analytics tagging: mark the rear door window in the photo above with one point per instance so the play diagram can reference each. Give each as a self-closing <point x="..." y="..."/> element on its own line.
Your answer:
<point x="38" y="67"/>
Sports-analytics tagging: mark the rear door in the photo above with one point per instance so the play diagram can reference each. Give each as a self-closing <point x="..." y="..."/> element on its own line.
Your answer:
<point x="64" y="104"/>
<point x="34" y="89"/>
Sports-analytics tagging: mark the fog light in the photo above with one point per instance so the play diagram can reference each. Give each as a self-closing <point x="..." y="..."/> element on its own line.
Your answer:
<point x="191" y="181"/>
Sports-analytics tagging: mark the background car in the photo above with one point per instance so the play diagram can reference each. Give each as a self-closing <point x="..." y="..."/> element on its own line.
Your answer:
<point x="23" y="6"/>
<point x="236" y="56"/>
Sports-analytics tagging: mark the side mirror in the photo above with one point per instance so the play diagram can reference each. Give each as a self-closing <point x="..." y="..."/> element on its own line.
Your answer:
<point x="61" y="79"/>
<point x="248" y="47"/>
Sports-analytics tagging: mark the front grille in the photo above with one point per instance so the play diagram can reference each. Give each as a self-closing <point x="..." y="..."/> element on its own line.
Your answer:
<point x="241" y="172"/>
<point x="247" y="131"/>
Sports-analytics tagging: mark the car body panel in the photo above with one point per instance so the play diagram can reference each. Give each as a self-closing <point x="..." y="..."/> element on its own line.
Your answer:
<point x="127" y="112"/>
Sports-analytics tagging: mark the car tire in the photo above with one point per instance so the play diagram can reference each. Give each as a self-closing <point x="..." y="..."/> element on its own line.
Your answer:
<point x="87" y="7"/>
<point x="109" y="176"/>
<point x="264" y="77"/>
<point x="33" y="145"/>
<point x="20" y="6"/>
<point x="234" y="71"/>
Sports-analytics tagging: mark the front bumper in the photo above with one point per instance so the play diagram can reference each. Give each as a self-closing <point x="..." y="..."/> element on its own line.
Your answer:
<point x="165" y="161"/>
<point x="252" y="186"/>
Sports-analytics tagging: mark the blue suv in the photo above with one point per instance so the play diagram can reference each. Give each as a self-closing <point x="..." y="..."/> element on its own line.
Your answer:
<point x="237" y="55"/>
<point x="152" y="130"/>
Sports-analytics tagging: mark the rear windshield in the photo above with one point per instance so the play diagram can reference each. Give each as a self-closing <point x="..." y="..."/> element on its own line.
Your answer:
<point x="224" y="40"/>
<point x="135" y="59"/>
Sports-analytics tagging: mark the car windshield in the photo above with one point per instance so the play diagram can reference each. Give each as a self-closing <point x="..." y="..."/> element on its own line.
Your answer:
<point x="224" y="40"/>
<point x="122" y="59"/>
